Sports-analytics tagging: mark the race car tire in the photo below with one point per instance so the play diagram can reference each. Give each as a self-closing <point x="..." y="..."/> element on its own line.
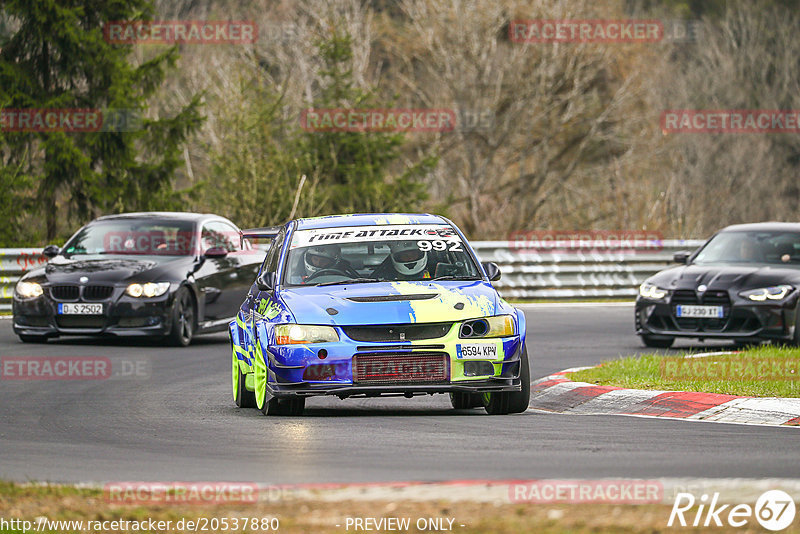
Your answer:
<point x="243" y="397"/>
<point x="657" y="342"/>
<point x="266" y="403"/>
<point x="519" y="400"/>
<point x="294" y="406"/>
<point x="26" y="338"/>
<point x="506" y="402"/>
<point x="462" y="400"/>
<point x="183" y="319"/>
<point x="796" y="337"/>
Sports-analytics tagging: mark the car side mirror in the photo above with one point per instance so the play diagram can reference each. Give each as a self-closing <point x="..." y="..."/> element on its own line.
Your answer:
<point x="51" y="251"/>
<point x="681" y="257"/>
<point x="265" y="282"/>
<point x="492" y="270"/>
<point x="215" y="252"/>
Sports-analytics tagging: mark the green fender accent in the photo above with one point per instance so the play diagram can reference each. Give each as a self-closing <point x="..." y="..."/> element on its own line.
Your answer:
<point x="250" y="382"/>
<point x="268" y="309"/>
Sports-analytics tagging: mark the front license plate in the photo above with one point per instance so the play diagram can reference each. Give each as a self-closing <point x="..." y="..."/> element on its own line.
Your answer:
<point x="700" y="312"/>
<point x="482" y="351"/>
<point x="80" y="309"/>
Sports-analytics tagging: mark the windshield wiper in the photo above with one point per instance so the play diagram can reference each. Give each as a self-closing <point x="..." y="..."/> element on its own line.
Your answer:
<point x="351" y="281"/>
<point x="453" y="277"/>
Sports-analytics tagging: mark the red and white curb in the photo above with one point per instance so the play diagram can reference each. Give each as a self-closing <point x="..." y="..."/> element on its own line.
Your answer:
<point x="557" y="393"/>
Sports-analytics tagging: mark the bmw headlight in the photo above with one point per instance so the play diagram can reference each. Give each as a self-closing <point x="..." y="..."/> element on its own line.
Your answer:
<point x="767" y="293"/>
<point x="650" y="291"/>
<point x="28" y="290"/>
<point x="148" y="289"/>
<point x="495" y="326"/>
<point x="298" y="334"/>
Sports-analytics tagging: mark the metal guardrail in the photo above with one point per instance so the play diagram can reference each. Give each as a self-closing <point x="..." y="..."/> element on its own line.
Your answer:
<point x="576" y="273"/>
<point x="526" y="273"/>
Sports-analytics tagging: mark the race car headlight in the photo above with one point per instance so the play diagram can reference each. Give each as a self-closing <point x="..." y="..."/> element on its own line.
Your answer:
<point x="292" y="334"/>
<point x="149" y="289"/>
<point x="649" y="291"/>
<point x="495" y="326"/>
<point x="767" y="293"/>
<point x="28" y="290"/>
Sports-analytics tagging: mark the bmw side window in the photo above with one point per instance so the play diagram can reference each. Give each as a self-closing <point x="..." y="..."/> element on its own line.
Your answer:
<point x="217" y="234"/>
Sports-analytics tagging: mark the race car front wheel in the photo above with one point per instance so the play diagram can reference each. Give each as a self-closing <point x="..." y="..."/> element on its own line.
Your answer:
<point x="265" y="402"/>
<point x="243" y="397"/>
<point x="463" y="401"/>
<point x="506" y="402"/>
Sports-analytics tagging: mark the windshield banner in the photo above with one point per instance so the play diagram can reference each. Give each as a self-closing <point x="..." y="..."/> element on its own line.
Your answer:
<point x="360" y="234"/>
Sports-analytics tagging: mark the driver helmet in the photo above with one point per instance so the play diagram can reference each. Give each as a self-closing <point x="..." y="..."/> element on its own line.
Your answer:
<point x="408" y="259"/>
<point x="321" y="257"/>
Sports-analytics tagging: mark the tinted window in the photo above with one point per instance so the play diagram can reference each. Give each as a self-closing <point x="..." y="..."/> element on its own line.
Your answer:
<point x="219" y="234"/>
<point x="752" y="247"/>
<point x="275" y="252"/>
<point x="133" y="237"/>
<point x="383" y="253"/>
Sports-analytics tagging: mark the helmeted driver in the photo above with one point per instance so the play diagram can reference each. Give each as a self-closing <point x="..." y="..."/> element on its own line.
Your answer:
<point x="409" y="261"/>
<point x="321" y="257"/>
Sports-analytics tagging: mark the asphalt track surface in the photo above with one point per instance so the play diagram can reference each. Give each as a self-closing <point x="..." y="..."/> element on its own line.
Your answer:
<point x="177" y="422"/>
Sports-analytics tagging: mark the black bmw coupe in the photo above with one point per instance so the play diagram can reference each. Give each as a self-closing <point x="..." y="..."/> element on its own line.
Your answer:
<point x="742" y="285"/>
<point x="171" y="275"/>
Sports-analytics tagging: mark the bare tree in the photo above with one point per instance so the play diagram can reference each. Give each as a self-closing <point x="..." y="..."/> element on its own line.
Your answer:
<point x="746" y="60"/>
<point x="554" y="108"/>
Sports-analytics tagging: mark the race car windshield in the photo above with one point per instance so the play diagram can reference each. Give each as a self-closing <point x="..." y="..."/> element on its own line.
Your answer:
<point x="377" y="254"/>
<point x="782" y="248"/>
<point x="133" y="237"/>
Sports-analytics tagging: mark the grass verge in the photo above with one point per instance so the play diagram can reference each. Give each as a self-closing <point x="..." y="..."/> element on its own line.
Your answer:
<point x="764" y="371"/>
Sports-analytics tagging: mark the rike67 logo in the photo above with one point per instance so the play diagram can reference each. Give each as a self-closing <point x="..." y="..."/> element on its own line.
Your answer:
<point x="774" y="510"/>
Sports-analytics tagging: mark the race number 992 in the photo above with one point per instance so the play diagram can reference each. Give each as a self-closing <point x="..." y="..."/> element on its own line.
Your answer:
<point x="440" y="245"/>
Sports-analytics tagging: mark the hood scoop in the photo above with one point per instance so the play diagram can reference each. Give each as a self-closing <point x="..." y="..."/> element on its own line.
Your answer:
<point x="394" y="298"/>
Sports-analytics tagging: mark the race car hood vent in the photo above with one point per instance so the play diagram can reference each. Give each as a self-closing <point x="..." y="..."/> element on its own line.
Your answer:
<point x="394" y="298"/>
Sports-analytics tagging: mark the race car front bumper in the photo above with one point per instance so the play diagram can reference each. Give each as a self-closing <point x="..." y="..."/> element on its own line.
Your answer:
<point x="406" y="390"/>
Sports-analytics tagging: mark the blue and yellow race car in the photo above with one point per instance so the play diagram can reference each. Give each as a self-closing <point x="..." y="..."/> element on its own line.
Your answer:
<point x="371" y="305"/>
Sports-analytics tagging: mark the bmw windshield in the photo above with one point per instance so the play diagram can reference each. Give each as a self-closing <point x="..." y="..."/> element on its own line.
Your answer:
<point x="378" y="254"/>
<point x="770" y="247"/>
<point x="133" y="237"/>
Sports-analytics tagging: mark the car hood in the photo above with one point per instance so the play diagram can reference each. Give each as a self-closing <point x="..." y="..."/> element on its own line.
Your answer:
<point x="732" y="276"/>
<point x="392" y="302"/>
<point x="112" y="269"/>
